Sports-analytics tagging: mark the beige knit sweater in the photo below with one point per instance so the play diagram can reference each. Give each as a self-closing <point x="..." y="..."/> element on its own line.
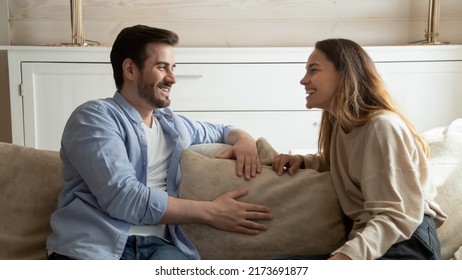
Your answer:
<point x="383" y="184"/>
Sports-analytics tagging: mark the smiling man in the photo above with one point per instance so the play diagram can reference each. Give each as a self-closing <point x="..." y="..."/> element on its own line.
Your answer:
<point x="120" y="165"/>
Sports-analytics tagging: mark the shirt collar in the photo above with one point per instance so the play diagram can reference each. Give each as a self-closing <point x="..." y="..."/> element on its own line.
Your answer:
<point x="127" y="107"/>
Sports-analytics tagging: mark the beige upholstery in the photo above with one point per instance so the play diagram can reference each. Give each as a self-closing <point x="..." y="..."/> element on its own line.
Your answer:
<point x="303" y="206"/>
<point x="29" y="186"/>
<point x="307" y="219"/>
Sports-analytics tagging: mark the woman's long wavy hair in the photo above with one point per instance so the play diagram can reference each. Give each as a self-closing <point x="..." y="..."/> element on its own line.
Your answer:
<point x="361" y="94"/>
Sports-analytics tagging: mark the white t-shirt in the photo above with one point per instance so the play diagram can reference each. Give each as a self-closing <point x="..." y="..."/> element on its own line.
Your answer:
<point x="159" y="153"/>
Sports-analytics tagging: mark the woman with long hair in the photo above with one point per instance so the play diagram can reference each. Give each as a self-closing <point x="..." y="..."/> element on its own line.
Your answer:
<point x="377" y="160"/>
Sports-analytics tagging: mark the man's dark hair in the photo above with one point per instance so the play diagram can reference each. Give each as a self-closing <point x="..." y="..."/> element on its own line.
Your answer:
<point x="131" y="43"/>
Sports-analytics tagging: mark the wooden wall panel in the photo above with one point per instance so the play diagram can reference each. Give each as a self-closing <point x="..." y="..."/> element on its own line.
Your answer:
<point x="222" y="34"/>
<point x="238" y="23"/>
<point x="126" y="10"/>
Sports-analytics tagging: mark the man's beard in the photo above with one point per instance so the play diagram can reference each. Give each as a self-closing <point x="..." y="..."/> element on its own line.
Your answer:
<point x="148" y="93"/>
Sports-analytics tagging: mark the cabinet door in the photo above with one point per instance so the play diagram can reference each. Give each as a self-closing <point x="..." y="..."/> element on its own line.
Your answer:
<point x="285" y="130"/>
<point x="430" y="93"/>
<point x="265" y="99"/>
<point x="51" y="91"/>
<point x="239" y="87"/>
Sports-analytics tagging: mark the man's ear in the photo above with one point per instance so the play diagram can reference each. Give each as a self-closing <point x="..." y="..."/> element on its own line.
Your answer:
<point x="129" y="69"/>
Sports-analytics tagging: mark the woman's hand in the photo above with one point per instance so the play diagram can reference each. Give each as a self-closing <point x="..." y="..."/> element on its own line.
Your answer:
<point x="287" y="163"/>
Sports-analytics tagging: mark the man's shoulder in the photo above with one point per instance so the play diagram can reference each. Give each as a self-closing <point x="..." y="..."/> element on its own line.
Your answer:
<point x="96" y="106"/>
<point x="93" y="108"/>
<point x="98" y="103"/>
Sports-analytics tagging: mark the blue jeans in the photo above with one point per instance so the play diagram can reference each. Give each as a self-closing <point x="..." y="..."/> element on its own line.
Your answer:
<point x="142" y="248"/>
<point x="150" y="248"/>
<point x="423" y="245"/>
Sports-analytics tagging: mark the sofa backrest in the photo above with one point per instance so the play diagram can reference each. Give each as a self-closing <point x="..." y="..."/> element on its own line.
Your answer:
<point x="29" y="187"/>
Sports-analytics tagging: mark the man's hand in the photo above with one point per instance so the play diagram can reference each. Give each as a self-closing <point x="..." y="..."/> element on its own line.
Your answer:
<point x="244" y="151"/>
<point x="231" y="215"/>
<point x="225" y="212"/>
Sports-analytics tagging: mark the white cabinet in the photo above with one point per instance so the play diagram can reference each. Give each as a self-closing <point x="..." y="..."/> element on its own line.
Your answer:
<point x="238" y="87"/>
<point x="256" y="89"/>
<point x="51" y="91"/>
<point x="265" y="99"/>
<point x="429" y="92"/>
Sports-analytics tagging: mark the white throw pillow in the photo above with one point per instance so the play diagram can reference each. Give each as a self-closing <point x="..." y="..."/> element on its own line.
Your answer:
<point x="446" y="164"/>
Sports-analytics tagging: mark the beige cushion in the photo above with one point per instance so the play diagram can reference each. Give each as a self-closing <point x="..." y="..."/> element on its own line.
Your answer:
<point x="307" y="217"/>
<point x="446" y="163"/>
<point x="29" y="186"/>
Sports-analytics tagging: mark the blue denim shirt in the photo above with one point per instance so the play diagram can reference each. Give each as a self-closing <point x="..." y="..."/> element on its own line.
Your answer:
<point x="104" y="155"/>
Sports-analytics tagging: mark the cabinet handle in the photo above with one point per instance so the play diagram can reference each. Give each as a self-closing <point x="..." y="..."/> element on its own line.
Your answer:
<point x="191" y="76"/>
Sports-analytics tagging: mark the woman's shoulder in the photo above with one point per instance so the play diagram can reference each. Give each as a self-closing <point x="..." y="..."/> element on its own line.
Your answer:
<point x="387" y="124"/>
<point x="388" y="120"/>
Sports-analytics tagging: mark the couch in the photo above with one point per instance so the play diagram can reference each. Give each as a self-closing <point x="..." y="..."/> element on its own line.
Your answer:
<point x="307" y="218"/>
